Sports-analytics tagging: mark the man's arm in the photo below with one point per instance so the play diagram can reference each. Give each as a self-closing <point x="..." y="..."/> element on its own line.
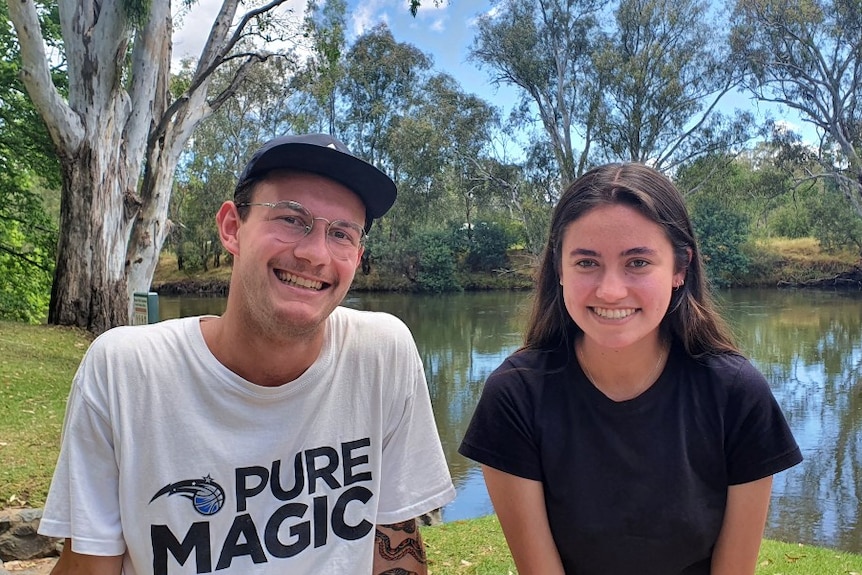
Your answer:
<point x="71" y="563"/>
<point x="399" y="550"/>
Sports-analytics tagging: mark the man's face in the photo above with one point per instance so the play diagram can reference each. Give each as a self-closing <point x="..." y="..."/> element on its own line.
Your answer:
<point x="286" y="285"/>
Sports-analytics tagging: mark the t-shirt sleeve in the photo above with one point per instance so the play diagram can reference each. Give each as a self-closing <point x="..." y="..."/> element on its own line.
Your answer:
<point x="415" y="478"/>
<point x="502" y="432"/>
<point x="758" y="440"/>
<point x="83" y="500"/>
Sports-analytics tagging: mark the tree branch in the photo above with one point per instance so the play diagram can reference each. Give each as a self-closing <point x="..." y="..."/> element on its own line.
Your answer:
<point x="63" y="124"/>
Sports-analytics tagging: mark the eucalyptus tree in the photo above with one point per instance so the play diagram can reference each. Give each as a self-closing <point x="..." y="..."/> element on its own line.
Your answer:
<point x="542" y="47"/>
<point x="662" y="71"/>
<point x="324" y="68"/>
<point x="463" y="124"/>
<point x="381" y="85"/>
<point x="806" y="55"/>
<point x="119" y="136"/>
<point x="222" y="144"/>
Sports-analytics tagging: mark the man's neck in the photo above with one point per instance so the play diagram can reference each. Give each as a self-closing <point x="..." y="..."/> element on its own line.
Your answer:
<point x="257" y="357"/>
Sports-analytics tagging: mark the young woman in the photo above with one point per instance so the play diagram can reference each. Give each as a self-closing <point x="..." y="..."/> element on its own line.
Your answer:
<point x="628" y="434"/>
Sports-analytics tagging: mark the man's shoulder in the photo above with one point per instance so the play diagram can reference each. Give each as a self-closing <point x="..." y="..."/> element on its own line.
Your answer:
<point x="135" y="336"/>
<point x="367" y="320"/>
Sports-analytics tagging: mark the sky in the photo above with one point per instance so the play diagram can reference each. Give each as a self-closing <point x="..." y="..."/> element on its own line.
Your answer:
<point x="444" y="32"/>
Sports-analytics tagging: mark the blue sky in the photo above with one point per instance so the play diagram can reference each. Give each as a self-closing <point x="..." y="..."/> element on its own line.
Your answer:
<point x="445" y="32"/>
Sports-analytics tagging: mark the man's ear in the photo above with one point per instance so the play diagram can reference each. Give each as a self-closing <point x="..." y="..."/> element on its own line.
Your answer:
<point x="229" y="222"/>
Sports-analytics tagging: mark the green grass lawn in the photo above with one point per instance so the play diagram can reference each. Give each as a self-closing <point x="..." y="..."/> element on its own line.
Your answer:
<point x="477" y="547"/>
<point x="37" y="364"/>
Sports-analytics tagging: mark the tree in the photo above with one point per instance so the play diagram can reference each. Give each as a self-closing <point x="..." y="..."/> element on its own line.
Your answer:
<point x="119" y="136"/>
<point x="28" y="233"/>
<point x="259" y="110"/>
<point x="807" y="55"/>
<point x="661" y="74"/>
<point x="381" y="83"/>
<point x="543" y="47"/>
<point x="325" y="68"/>
<point x="382" y="88"/>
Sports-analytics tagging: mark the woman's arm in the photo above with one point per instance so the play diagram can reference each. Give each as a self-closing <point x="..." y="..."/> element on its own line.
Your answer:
<point x="742" y="529"/>
<point x="520" y="507"/>
<point x="71" y="563"/>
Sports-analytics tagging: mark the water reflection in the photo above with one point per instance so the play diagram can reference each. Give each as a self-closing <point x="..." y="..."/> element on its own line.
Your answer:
<point x="808" y="344"/>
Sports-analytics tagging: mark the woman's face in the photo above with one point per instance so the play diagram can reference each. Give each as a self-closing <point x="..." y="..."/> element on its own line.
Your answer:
<point x="617" y="271"/>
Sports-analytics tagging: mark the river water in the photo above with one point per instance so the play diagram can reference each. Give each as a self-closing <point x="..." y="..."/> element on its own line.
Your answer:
<point x="807" y="343"/>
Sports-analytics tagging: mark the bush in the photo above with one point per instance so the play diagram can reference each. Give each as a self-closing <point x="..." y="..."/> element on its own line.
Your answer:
<point x="722" y="235"/>
<point x="837" y="225"/>
<point x="435" y="262"/>
<point x="487" y="248"/>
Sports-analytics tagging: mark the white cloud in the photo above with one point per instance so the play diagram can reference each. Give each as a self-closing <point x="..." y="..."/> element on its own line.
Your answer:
<point x="439" y="25"/>
<point x="192" y="26"/>
<point x="367" y="15"/>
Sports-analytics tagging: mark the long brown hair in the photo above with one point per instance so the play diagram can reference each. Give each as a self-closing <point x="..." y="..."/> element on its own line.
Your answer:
<point x="691" y="316"/>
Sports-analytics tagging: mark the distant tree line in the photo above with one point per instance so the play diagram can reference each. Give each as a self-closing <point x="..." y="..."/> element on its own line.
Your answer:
<point x="633" y="80"/>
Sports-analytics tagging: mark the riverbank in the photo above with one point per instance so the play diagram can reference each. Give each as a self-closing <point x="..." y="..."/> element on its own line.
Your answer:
<point x="775" y="262"/>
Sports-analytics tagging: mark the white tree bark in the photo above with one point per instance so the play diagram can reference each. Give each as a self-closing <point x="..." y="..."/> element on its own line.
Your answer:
<point x="119" y="139"/>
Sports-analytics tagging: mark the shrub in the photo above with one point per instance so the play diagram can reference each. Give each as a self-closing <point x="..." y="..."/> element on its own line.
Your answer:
<point x="722" y="234"/>
<point x="487" y="248"/>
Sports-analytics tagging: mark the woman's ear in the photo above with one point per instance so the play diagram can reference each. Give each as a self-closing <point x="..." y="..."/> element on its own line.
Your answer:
<point x="229" y="222"/>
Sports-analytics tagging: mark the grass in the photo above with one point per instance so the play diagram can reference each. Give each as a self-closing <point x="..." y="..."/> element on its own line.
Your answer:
<point x="37" y="364"/>
<point x="775" y="260"/>
<point x="477" y="547"/>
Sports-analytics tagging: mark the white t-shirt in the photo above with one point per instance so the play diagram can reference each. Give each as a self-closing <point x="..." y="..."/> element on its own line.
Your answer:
<point x="174" y="460"/>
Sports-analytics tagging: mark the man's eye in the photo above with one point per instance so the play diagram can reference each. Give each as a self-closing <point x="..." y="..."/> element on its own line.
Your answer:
<point x="639" y="263"/>
<point x="345" y="235"/>
<point x="293" y="221"/>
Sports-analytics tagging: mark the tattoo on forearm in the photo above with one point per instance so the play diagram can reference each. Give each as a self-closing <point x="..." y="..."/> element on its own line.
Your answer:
<point x="405" y="526"/>
<point x="410" y="546"/>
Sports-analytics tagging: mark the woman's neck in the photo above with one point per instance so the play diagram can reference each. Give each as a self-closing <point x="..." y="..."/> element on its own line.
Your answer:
<point x="622" y="374"/>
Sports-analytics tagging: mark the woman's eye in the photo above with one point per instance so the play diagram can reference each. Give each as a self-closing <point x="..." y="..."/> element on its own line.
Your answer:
<point x="639" y="263"/>
<point x="586" y="264"/>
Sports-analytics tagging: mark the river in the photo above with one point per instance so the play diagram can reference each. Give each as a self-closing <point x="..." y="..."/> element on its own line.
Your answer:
<point x="807" y="343"/>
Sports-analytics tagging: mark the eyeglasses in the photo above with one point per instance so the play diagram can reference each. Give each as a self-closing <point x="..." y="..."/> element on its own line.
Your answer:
<point x="343" y="239"/>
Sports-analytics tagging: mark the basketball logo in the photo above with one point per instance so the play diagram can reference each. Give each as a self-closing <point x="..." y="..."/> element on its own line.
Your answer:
<point x="206" y="495"/>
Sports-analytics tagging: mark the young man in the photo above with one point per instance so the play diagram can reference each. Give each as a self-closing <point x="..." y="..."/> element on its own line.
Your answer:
<point x="289" y="435"/>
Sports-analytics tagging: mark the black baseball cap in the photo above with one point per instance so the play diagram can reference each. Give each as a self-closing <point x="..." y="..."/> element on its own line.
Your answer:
<point x="324" y="155"/>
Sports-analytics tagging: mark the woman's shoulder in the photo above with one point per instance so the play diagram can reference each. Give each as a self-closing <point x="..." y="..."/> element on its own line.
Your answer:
<point x="730" y="372"/>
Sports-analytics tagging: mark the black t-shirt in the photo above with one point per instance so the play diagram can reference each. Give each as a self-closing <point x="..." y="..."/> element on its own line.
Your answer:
<point x="637" y="486"/>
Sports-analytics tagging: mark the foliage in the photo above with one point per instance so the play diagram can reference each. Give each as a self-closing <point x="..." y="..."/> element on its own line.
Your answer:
<point x="834" y="222"/>
<point x="806" y="55"/>
<point x="28" y="171"/>
<point x="435" y="261"/>
<point x="542" y="48"/>
<point x="486" y="246"/>
<point x="26" y="270"/>
<point x="722" y="234"/>
<point x="661" y="71"/>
